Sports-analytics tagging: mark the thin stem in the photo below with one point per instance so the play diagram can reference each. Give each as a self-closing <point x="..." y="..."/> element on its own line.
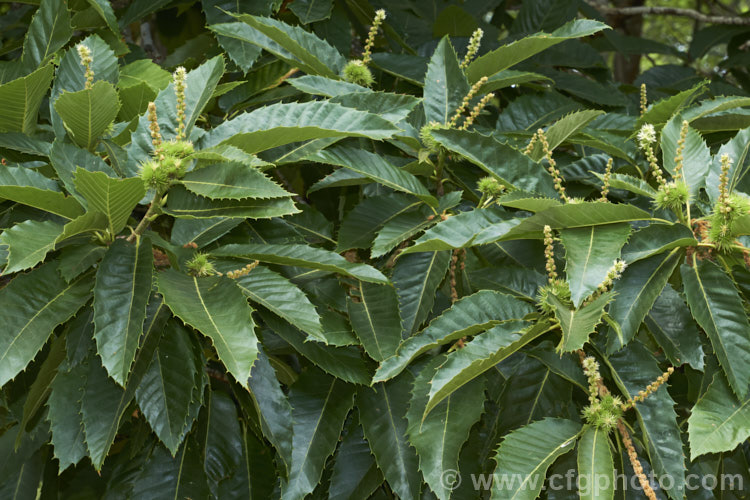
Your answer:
<point x="146" y="220"/>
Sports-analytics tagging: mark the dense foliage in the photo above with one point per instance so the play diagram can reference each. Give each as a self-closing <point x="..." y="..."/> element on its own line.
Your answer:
<point x="322" y="250"/>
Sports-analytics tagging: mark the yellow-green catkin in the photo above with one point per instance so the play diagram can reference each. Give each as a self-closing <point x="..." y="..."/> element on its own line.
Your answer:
<point x="606" y="180"/>
<point x="473" y="48"/>
<point x="180" y="85"/>
<point x="646" y="139"/>
<point x="86" y="61"/>
<point x="467" y="101"/>
<point x="376" y="22"/>
<point x="532" y="142"/>
<point x="652" y="388"/>
<point x="552" y="165"/>
<point x="613" y="274"/>
<point x="549" y="254"/>
<point x="679" y="158"/>
<point x="591" y="370"/>
<point x="154" y="127"/>
<point x="476" y="110"/>
<point x="723" y="202"/>
<point x="644" y="99"/>
<point x="238" y="273"/>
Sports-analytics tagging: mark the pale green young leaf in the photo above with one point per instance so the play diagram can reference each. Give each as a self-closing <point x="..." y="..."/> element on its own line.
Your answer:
<point x="696" y="155"/>
<point x="563" y="128"/>
<point x="20" y="100"/>
<point x="88" y="113"/>
<point x="115" y="198"/>
<point x="48" y="31"/>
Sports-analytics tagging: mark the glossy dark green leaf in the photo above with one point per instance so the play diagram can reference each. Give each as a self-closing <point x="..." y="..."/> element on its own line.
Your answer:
<point x="184" y="204"/>
<point x="717" y="307"/>
<point x="28" y="243"/>
<point x="355" y="471"/>
<point x="675" y="330"/>
<point x="596" y="464"/>
<point x="171" y="390"/>
<point x="590" y="252"/>
<point x="64" y="415"/>
<point x="34" y="304"/>
<point x="121" y="292"/>
<point x="373" y="312"/>
<point x="383" y="414"/>
<point x="637" y="290"/>
<point x="216" y="307"/>
<point x="578" y="324"/>
<point x="29" y="187"/>
<point x="469" y="316"/>
<point x="445" y="84"/>
<point x="320" y="404"/>
<point x="416" y="279"/>
<point x="360" y="225"/>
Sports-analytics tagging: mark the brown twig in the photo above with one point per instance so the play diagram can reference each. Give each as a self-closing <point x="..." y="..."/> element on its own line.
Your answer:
<point x="672" y="11"/>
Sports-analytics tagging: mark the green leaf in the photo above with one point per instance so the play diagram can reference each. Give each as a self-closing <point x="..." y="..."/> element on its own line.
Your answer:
<point x="590" y="252"/>
<point x="629" y="183"/>
<point x="34" y="304"/>
<point x="28" y="243"/>
<point x="87" y="113"/>
<point x="200" y="84"/>
<point x="67" y="157"/>
<point x="303" y="256"/>
<point x="717" y="307"/>
<point x="373" y="312"/>
<point x="578" y="324"/>
<point x="121" y="292"/>
<point x="718" y="421"/>
<point x="355" y="471"/>
<point x="20" y="100"/>
<point x="468" y="316"/>
<point x="479" y="355"/>
<point x="232" y="180"/>
<point x="738" y="149"/>
<point x="439" y="436"/>
<point x="171" y="390"/>
<point x="527" y="453"/>
<point x="64" y="415"/>
<point x="273" y="408"/>
<point x="216" y="307"/>
<point x="29" y="187"/>
<point x="283" y="298"/>
<point x="588" y="213"/>
<point x="596" y="464"/>
<point x="563" y="128"/>
<point x="527" y="201"/>
<point x="319" y="406"/>
<point x="345" y="363"/>
<point x="416" y="279"/>
<point x="201" y="231"/>
<point x="392" y="107"/>
<point x="467" y="229"/>
<point x="104" y="402"/>
<point x="184" y="204"/>
<point x="48" y="31"/>
<point x="105" y="11"/>
<point x="88" y="222"/>
<point x="294" y="45"/>
<point x="445" y="84"/>
<point x="633" y="369"/>
<point x="696" y="154"/>
<point x="360" y="225"/>
<point x="515" y="52"/>
<point x="310" y="11"/>
<point x="674" y="329"/>
<point x="115" y="198"/>
<point x="509" y="166"/>
<point x="662" y="110"/>
<point x="280" y="124"/>
<point x="655" y="239"/>
<point x="399" y="229"/>
<point x="374" y="167"/>
<point x="222" y="453"/>
<point x="75" y="260"/>
<point x="636" y="291"/>
<point x="382" y="410"/>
